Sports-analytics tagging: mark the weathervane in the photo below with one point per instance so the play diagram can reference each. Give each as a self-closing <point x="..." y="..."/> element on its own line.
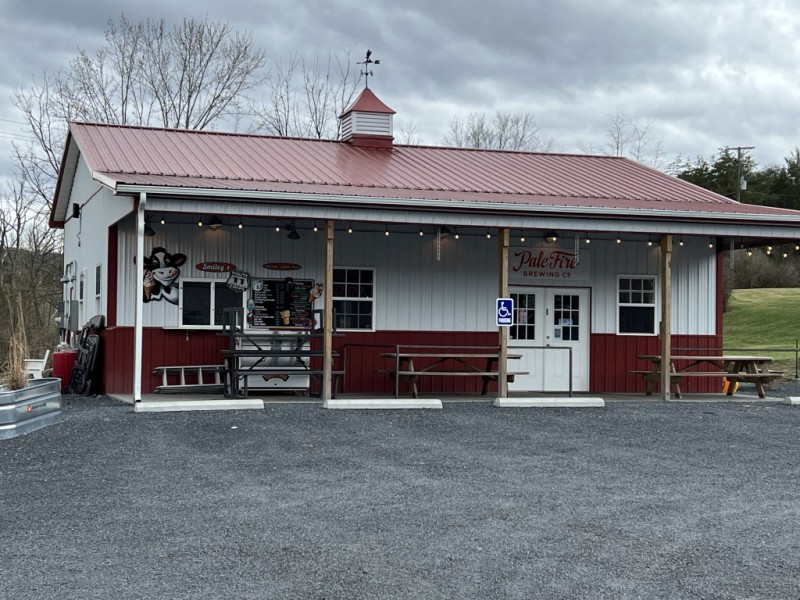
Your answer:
<point x="367" y="72"/>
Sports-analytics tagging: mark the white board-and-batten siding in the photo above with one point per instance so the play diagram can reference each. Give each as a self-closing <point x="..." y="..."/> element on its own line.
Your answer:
<point x="413" y="290"/>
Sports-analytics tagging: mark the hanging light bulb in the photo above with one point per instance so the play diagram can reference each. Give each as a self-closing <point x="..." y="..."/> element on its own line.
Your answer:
<point x="680" y="243"/>
<point x="588" y="240"/>
<point x="711" y="244"/>
<point x="315" y="226"/>
<point x="240" y="224"/>
<point x="619" y="241"/>
<point x="421" y="232"/>
<point x="277" y="227"/>
<point x="455" y="233"/>
<point x="163" y="222"/>
<point x="749" y="252"/>
<point x="649" y="242"/>
<point x="350" y="228"/>
<point x="488" y="234"/>
<point x="200" y="222"/>
<point x="386" y="231"/>
<point x="522" y="237"/>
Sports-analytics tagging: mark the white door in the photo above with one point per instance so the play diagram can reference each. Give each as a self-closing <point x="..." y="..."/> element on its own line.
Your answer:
<point x="550" y="325"/>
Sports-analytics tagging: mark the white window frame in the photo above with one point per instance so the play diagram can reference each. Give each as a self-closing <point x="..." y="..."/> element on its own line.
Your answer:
<point x="618" y="305"/>
<point x="371" y="299"/>
<point x="212" y="283"/>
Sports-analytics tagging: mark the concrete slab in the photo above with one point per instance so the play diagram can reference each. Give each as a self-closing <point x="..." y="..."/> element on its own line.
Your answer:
<point x="383" y="403"/>
<point x="794" y="400"/>
<point x="189" y="405"/>
<point x="583" y="402"/>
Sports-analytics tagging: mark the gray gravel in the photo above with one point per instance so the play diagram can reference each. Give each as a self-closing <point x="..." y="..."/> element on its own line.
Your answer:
<point x="637" y="500"/>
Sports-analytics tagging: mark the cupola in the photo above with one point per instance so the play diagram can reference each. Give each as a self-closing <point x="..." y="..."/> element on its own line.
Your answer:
<point x="367" y="122"/>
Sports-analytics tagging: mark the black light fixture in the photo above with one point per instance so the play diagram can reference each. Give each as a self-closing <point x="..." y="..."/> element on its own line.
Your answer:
<point x="443" y="231"/>
<point x="551" y="236"/>
<point x="293" y="235"/>
<point x="215" y="222"/>
<point x="148" y="231"/>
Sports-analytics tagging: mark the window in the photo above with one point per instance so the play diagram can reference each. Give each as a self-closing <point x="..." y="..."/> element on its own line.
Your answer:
<point x="353" y="300"/>
<point x="98" y="280"/>
<point x="202" y="302"/>
<point x="637" y="305"/>
<point x="524" y="327"/>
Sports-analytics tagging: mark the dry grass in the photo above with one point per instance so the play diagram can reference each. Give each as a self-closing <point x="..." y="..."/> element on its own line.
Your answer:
<point x="15" y="375"/>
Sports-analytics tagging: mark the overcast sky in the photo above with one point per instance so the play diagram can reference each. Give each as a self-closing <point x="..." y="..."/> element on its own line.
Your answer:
<point x="707" y="73"/>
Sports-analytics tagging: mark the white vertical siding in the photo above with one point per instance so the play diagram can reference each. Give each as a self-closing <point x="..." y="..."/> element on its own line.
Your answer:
<point x="414" y="290"/>
<point x="693" y="282"/>
<point x="86" y="237"/>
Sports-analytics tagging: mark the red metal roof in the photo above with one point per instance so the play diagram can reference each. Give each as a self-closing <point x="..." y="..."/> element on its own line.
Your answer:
<point x="368" y="102"/>
<point x="203" y="159"/>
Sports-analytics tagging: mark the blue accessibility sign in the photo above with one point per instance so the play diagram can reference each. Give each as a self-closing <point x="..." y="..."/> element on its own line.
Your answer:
<point x="505" y="312"/>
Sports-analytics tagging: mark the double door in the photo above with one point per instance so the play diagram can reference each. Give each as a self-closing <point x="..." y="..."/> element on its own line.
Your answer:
<point x="551" y="332"/>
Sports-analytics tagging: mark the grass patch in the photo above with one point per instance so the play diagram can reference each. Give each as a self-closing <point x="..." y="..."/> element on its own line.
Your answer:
<point x="764" y="318"/>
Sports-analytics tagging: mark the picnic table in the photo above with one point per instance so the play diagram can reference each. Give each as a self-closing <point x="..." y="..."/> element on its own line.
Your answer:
<point x="734" y="368"/>
<point x="443" y="362"/>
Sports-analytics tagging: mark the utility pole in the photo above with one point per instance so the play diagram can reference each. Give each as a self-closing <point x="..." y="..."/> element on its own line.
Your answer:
<point x="739" y="169"/>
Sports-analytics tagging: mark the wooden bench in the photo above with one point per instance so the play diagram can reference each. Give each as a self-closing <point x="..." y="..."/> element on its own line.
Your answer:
<point x="191" y="378"/>
<point x="653" y="378"/>
<point x="457" y="361"/>
<point x="734" y="368"/>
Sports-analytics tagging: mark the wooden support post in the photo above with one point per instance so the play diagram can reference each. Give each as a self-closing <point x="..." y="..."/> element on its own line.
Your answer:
<point x="666" y="314"/>
<point x="327" y="333"/>
<point x="502" y="362"/>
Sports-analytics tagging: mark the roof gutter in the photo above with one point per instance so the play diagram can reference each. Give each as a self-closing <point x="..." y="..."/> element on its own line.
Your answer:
<point x="448" y="205"/>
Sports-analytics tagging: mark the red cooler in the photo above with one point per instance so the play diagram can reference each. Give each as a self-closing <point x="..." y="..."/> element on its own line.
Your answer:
<point x="62" y="366"/>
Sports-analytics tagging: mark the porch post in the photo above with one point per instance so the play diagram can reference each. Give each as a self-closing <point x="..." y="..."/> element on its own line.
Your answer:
<point x="502" y="359"/>
<point x="138" y="303"/>
<point x="666" y="313"/>
<point x="327" y="334"/>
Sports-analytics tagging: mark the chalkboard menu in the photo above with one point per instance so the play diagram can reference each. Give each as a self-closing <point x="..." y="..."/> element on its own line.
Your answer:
<point x="280" y="303"/>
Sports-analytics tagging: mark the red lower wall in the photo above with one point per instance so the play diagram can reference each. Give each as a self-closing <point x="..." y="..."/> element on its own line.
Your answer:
<point x="612" y="357"/>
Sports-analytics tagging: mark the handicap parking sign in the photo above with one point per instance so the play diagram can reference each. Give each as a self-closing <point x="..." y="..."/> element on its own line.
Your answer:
<point x="505" y="312"/>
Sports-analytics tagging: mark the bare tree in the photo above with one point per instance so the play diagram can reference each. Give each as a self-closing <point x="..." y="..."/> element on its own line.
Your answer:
<point x="625" y="136"/>
<point x="408" y="133"/>
<point x="306" y="96"/>
<point x="505" y="131"/>
<point x="190" y="76"/>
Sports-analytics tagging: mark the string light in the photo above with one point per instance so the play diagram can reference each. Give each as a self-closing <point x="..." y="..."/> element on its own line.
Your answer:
<point x="455" y="233"/>
<point x="350" y="228"/>
<point x="488" y="234"/>
<point x="749" y="252"/>
<point x="588" y="240"/>
<point x="619" y="241"/>
<point x="386" y="231"/>
<point x="421" y="232"/>
<point x="522" y="237"/>
<point x="163" y="222"/>
<point x="649" y="242"/>
<point x="680" y="243"/>
<point x="200" y="222"/>
<point x="240" y="224"/>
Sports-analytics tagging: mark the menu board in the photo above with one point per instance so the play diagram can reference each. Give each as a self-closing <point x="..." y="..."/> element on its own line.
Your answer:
<point x="280" y="302"/>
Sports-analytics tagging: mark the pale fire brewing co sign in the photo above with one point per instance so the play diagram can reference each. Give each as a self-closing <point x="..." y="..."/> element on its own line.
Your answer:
<point x="535" y="264"/>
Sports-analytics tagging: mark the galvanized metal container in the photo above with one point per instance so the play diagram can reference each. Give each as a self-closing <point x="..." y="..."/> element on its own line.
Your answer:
<point x="35" y="406"/>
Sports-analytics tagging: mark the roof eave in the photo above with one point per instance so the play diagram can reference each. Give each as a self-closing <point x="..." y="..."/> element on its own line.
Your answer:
<point x="658" y="215"/>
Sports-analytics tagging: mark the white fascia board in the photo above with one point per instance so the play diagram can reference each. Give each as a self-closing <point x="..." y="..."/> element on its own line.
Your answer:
<point x="465" y="205"/>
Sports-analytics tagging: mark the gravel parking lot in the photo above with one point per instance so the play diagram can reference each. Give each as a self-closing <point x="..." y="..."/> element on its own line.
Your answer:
<point x="636" y="500"/>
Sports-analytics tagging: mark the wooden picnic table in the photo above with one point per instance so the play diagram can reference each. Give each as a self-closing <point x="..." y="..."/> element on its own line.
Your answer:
<point x="734" y="368"/>
<point x="446" y="364"/>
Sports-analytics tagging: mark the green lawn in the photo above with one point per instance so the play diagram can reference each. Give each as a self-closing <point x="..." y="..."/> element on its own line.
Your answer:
<point x="764" y="318"/>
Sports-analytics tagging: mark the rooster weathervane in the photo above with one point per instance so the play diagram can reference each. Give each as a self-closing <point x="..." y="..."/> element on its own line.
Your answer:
<point x="367" y="71"/>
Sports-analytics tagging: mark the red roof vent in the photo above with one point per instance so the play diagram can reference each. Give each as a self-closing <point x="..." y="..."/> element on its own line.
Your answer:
<point x="367" y="122"/>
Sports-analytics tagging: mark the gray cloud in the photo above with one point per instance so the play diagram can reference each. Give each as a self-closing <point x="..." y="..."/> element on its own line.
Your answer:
<point x="707" y="74"/>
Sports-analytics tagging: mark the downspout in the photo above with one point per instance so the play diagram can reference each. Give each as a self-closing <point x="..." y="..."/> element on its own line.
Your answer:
<point x="138" y="304"/>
